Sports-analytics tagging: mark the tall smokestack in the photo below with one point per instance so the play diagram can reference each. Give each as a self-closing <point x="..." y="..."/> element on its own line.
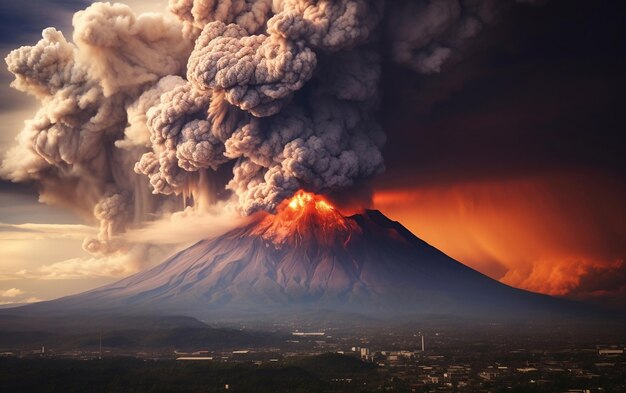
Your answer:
<point x="423" y="347"/>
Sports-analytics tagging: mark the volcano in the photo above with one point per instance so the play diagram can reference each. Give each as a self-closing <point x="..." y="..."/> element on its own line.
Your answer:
<point x="309" y="258"/>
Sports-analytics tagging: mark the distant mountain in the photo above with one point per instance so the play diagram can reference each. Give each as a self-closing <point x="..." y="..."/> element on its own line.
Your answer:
<point x="11" y="305"/>
<point x="308" y="259"/>
<point x="181" y="338"/>
<point x="55" y="320"/>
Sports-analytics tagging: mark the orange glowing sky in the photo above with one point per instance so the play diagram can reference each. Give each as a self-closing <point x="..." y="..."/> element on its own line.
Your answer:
<point x="552" y="233"/>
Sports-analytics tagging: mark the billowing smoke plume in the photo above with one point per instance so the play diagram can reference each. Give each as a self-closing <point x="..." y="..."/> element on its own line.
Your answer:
<point x="85" y="89"/>
<point x="144" y="115"/>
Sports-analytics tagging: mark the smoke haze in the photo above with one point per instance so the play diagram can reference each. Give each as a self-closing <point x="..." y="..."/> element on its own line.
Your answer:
<point x="143" y="116"/>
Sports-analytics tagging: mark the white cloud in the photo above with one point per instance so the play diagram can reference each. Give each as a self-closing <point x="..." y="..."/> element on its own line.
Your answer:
<point x="4" y="276"/>
<point x="188" y="226"/>
<point x="15" y="295"/>
<point x="118" y="265"/>
<point x="148" y="244"/>
<point x="30" y="231"/>
<point x="141" y="6"/>
<point x="75" y="268"/>
<point x="11" y="293"/>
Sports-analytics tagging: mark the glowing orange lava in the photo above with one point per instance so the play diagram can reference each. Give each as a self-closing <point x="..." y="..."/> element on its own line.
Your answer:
<point x="303" y="199"/>
<point x="305" y="217"/>
<point x="311" y="209"/>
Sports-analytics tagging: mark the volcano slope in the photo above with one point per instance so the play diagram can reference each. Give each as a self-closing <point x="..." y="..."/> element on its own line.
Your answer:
<point x="309" y="259"/>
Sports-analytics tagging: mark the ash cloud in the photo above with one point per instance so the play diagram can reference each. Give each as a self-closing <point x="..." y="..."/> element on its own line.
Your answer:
<point x="142" y="115"/>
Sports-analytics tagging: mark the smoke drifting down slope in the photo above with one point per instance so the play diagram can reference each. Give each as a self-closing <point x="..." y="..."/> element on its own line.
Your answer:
<point x="142" y="116"/>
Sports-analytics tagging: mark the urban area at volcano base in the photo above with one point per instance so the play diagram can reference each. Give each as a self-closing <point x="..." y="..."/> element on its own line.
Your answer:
<point x="293" y="357"/>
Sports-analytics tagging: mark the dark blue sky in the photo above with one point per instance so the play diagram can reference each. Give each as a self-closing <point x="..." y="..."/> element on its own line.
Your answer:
<point x="22" y="21"/>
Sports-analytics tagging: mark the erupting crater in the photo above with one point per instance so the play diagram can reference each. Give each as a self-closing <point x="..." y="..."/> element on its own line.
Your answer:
<point x="305" y="219"/>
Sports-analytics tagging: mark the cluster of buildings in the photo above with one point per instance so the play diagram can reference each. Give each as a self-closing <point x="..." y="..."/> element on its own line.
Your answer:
<point x="402" y="361"/>
<point x="568" y="370"/>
